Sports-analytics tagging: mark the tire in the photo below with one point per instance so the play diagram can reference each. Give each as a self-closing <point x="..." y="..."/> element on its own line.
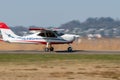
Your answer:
<point x="46" y="49"/>
<point x="51" y="49"/>
<point x="70" y="49"/>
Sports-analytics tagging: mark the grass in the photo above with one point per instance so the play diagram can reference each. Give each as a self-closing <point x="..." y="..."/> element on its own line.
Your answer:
<point x="51" y="57"/>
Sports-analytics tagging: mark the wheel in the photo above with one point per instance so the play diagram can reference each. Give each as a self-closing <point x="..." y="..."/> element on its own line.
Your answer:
<point x="69" y="49"/>
<point x="51" y="49"/>
<point x="46" y="49"/>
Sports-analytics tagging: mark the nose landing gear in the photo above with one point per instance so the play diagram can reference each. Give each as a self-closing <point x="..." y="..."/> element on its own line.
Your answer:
<point x="69" y="48"/>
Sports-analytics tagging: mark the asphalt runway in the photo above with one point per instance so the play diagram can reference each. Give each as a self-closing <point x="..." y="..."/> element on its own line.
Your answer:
<point x="58" y="52"/>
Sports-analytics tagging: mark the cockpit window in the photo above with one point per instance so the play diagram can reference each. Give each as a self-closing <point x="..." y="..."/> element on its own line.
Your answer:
<point x="47" y="33"/>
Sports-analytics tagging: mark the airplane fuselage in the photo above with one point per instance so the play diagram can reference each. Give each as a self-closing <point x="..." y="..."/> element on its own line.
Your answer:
<point x="36" y="39"/>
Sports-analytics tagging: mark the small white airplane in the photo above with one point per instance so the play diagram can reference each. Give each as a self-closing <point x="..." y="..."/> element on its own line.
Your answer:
<point x="46" y="37"/>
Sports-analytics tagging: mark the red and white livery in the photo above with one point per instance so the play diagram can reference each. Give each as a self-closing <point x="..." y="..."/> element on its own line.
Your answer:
<point x="46" y="37"/>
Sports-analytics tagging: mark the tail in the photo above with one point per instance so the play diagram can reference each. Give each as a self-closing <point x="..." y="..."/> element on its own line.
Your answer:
<point x="6" y="33"/>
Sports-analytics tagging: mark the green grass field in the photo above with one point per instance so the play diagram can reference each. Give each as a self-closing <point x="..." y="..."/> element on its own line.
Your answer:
<point x="59" y="66"/>
<point x="51" y="57"/>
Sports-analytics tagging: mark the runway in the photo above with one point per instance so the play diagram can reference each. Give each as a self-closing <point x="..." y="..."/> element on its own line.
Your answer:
<point x="57" y="52"/>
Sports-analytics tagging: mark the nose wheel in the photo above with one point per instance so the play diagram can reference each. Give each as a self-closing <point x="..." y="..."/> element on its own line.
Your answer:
<point x="69" y="48"/>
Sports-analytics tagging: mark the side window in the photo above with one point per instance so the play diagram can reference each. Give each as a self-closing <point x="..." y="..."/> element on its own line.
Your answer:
<point x="41" y="34"/>
<point x="47" y="34"/>
<point x="50" y="34"/>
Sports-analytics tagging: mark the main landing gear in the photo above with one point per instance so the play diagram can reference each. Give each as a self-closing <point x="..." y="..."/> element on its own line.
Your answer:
<point x="48" y="48"/>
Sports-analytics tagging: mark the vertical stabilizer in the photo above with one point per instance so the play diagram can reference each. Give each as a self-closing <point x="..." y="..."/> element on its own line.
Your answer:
<point x="6" y="32"/>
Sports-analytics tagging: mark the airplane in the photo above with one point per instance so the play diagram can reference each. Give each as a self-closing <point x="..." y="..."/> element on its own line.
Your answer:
<point x="46" y="37"/>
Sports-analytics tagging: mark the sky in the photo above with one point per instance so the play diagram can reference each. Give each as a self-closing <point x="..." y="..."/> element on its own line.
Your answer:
<point x="45" y="13"/>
